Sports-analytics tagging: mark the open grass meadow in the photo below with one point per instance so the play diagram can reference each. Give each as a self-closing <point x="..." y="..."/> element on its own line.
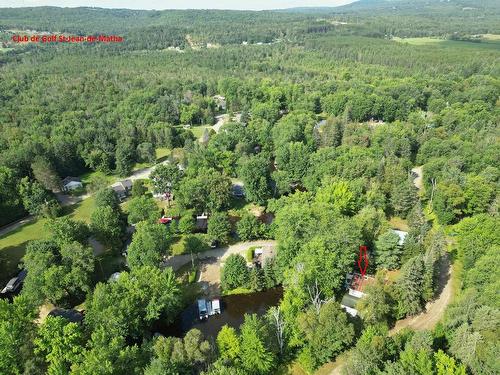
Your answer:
<point x="13" y="245"/>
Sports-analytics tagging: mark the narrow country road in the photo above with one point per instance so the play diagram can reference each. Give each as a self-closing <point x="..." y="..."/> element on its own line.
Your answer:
<point x="434" y="310"/>
<point x="433" y="313"/>
<point x="16" y="224"/>
<point x="418" y="181"/>
<point x="68" y="200"/>
<point x="221" y="120"/>
<point x="177" y="261"/>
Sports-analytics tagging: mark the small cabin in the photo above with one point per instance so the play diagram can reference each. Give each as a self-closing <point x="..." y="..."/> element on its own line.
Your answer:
<point x="202" y="222"/>
<point x="238" y="191"/>
<point x="122" y="189"/>
<point x="402" y="236"/>
<point x="355" y="285"/>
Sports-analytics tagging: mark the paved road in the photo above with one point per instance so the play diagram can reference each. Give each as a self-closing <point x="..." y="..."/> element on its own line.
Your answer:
<point x="177" y="261"/>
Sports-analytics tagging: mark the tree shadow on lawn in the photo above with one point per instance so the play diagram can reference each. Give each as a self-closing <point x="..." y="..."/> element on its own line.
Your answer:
<point x="10" y="257"/>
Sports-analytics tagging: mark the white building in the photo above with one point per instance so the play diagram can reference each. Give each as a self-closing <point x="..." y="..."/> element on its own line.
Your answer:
<point x="71" y="183"/>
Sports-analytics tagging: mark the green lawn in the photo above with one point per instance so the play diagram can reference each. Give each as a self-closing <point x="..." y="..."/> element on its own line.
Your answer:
<point x="399" y="223"/>
<point x="290" y="369"/>
<point x="13" y="245"/>
<point x="240" y="290"/>
<point x="489" y="42"/>
<point x="198" y="130"/>
<point x="161" y="155"/>
<point x="199" y="243"/>
<point x="419" y="41"/>
<point x="83" y="210"/>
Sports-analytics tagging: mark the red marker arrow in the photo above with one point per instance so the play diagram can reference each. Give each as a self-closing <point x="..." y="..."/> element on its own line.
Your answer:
<point x="363" y="260"/>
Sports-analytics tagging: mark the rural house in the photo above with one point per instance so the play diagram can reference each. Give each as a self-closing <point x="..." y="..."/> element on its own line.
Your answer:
<point x="71" y="183"/>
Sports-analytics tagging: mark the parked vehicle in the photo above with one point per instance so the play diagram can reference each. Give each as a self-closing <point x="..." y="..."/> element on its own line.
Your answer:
<point x="15" y="283"/>
<point x="208" y="308"/>
<point x="202" y="309"/>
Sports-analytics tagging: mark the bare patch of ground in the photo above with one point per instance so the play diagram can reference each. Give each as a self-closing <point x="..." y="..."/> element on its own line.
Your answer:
<point x="209" y="277"/>
<point x="434" y="310"/>
<point x="427" y="320"/>
<point x="45" y="309"/>
<point x="418" y="181"/>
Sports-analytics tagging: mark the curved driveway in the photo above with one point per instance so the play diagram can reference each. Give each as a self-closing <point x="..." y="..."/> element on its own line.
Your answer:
<point x="221" y="253"/>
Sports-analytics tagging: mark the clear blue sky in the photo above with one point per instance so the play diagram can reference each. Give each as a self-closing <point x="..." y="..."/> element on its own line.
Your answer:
<point x="177" y="4"/>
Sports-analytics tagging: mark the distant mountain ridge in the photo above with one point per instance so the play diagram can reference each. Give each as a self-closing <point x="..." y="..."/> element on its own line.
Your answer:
<point x="403" y="5"/>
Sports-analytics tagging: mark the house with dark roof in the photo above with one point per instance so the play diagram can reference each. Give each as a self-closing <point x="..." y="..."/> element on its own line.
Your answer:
<point x="120" y="192"/>
<point x="238" y="190"/>
<point x="73" y="316"/>
<point x="122" y="188"/>
<point x="202" y="222"/>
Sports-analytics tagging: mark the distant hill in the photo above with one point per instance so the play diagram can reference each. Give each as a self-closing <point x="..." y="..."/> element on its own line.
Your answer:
<point x="405" y="6"/>
<point x="412" y="6"/>
<point x="458" y="19"/>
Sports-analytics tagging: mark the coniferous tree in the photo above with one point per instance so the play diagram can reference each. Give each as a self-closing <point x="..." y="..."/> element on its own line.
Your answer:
<point x="387" y="250"/>
<point x="403" y="197"/>
<point x="409" y="287"/>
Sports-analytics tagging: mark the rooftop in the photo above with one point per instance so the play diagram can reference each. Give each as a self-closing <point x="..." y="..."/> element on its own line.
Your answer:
<point x="68" y="179"/>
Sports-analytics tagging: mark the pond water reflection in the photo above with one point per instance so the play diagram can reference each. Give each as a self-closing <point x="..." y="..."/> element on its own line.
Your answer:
<point x="234" y="308"/>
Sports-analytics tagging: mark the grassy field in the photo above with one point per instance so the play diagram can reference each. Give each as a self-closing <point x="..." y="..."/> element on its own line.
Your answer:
<point x="13" y="245"/>
<point x="399" y="223"/>
<point x="87" y="177"/>
<point x="490" y="41"/>
<point x="291" y="369"/>
<point x="240" y="290"/>
<point x="491" y="37"/>
<point x="199" y="243"/>
<point x="161" y="155"/>
<point x="419" y="41"/>
<point x="197" y="130"/>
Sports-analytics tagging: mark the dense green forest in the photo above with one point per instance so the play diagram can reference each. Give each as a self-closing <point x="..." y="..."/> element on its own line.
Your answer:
<point x="332" y="114"/>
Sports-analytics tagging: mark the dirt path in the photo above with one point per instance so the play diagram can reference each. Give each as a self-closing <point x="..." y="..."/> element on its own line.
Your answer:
<point x="177" y="261"/>
<point x="221" y="120"/>
<point x="17" y="224"/>
<point x="418" y="181"/>
<point x="68" y="200"/>
<point x="434" y="310"/>
<point x="209" y="278"/>
<point x="427" y="320"/>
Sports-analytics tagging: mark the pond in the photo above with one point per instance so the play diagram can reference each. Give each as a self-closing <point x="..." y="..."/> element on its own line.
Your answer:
<point x="234" y="308"/>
